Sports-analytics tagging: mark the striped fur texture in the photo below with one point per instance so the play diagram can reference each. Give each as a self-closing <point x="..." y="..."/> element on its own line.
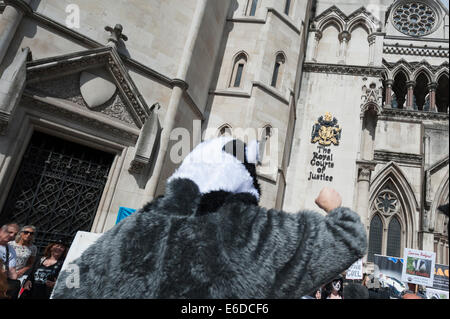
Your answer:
<point x="240" y="250"/>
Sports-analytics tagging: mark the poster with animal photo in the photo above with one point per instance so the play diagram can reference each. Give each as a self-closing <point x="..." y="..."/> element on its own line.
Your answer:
<point x="418" y="267"/>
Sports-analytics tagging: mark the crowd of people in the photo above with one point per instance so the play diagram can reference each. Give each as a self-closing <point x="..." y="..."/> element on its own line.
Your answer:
<point x="367" y="288"/>
<point x="24" y="274"/>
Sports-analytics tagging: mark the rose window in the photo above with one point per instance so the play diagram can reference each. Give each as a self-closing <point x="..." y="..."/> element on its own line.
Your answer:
<point x="387" y="203"/>
<point x="414" y="19"/>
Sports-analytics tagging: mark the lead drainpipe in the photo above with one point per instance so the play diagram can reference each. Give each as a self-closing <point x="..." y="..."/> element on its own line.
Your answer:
<point x="180" y="86"/>
<point x="9" y="22"/>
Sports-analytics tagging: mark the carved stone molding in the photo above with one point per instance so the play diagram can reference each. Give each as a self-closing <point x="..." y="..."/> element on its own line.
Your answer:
<point x="147" y="142"/>
<point x="107" y="57"/>
<point x="406" y="158"/>
<point x="420" y="51"/>
<point x="73" y="116"/>
<point x="372" y="97"/>
<point x="68" y="88"/>
<point x="411" y="67"/>
<point x="343" y="69"/>
<point x="411" y="115"/>
<point x="365" y="169"/>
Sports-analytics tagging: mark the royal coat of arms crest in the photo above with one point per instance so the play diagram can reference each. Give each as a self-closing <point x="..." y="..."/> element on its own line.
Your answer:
<point x="326" y="131"/>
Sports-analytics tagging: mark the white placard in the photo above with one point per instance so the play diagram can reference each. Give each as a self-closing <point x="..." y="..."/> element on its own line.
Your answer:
<point x="418" y="267"/>
<point x="355" y="271"/>
<point x="81" y="242"/>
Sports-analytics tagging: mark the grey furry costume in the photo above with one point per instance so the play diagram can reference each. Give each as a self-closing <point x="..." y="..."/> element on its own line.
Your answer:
<point x="220" y="244"/>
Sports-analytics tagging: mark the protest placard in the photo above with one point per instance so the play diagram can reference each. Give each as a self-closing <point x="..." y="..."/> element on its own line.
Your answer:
<point x="440" y="281"/>
<point x="355" y="271"/>
<point x="418" y="267"/>
<point x="82" y="241"/>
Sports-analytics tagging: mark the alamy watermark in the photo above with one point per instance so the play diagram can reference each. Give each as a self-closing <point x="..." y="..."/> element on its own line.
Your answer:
<point x="73" y="17"/>
<point x="267" y="147"/>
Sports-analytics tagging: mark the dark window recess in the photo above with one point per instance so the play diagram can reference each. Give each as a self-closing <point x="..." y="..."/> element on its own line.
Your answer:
<point x="57" y="188"/>
<point x="276" y="70"/>
<point x="375" y="237"/>
<point x="253" y="7"/>
<point x="237" y="80"/>
<point x="394" y="238"/>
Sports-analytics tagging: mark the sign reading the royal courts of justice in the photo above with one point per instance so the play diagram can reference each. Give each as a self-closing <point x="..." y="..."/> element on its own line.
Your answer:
<point x="325" y="132"/>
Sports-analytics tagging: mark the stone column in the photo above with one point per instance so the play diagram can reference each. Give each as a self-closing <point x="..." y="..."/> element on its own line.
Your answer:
<point x="365" y="169"/>
<point x="179" y="87"/>
<point x="317" y="36"/>
<point x="410" y="94"/>
<point x="388" y="101"/>
<point x="9" y="22"/>
<point x="432" y="90"/>
<point x="371" y="39"/>
<point x="344" y="37"/>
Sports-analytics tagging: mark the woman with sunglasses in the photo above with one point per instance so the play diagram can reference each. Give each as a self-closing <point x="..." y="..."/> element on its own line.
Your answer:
<point x="25" y="251"/>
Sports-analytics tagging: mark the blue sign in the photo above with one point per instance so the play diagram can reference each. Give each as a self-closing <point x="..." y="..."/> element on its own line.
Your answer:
<point x="124" y="212"/>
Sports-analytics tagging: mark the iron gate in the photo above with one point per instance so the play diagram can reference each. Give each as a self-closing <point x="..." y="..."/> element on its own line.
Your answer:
<point x="57" y="188"/>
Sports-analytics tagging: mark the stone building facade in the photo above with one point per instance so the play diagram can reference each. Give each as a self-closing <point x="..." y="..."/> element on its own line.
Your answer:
<point x="95" y="99"/>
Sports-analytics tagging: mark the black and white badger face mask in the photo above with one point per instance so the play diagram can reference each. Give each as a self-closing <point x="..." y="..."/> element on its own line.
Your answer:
<point x="222" y="164"/>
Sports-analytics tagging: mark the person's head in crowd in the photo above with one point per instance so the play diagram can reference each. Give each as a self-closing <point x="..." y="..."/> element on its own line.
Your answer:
<point x="8" y="232"/>
<point x="411" y="295"/>
<point x="355" y="291"/>
<point x="56" y="249"/>
<point x="334" y="288"/>
<point x="3" y="281"/>
<point x="318" y="294"/>
<point x="365" y="280"/>
<point x="26" y="235"/>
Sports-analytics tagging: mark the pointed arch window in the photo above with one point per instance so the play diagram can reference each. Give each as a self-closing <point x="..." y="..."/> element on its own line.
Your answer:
<point x="399" y="91"/>
<point x="238" y="73"/>
<point x="225" y="130"/>
<point x="421" y="97"/>
<point x="375" y="237"/>
<point x="394" y="238"/>
<point x="278" y="70"/>
<point x="253" y="6"/>
<point x="287" y="7"/>
<point x="442" y="94"/>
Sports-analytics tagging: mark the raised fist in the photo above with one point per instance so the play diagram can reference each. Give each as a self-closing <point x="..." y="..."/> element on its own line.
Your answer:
<point x="328" y="199"/>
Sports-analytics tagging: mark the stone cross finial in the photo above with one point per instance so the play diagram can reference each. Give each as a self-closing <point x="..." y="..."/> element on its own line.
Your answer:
<point x="116" y="35"/>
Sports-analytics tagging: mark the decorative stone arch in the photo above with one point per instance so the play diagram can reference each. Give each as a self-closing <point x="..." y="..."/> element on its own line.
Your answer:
<point x="371" y="107"/>
<point x="224" y="129"/>
<point x="424" y="69"/>
<point x="401" y="68"/>
<point x="332" y="20"/>
<point x="393" y="176"/>
<point x="363" y="22"/>
<point x="443" y="71"/>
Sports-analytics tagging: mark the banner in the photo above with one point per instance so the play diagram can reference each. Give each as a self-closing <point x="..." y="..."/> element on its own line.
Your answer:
<point x="355" y="271"/>
<point x="418" y="267"/>
<point x="440" y="281"/>
<point x="123" y="213"/>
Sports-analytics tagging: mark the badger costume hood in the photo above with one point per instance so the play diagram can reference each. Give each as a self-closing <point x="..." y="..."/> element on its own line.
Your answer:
<point x="206" y="237"/>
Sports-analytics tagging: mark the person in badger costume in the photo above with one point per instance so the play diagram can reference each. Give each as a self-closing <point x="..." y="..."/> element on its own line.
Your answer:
<point x="206" y="237"/>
